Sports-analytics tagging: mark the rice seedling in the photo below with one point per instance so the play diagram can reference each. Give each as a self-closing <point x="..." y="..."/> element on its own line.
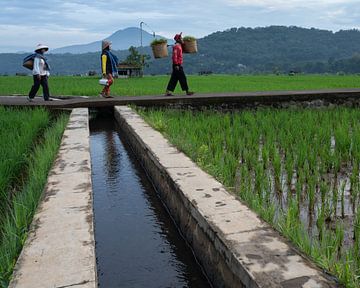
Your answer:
<point x="291" y="166"/>
<point x="356" y="237"/>
<point x="23" y="202"/>
<point x="18" y="131"/>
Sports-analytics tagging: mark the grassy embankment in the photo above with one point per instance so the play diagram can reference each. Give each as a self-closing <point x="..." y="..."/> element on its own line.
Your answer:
<point x="299" y="169"/>
<point x="29" y="143"/>
<point x="155" y="85"/>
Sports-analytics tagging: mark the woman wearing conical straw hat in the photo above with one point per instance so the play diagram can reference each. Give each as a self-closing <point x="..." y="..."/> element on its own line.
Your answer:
<point x="41" y="72"/>
<point x="109" y="63"/>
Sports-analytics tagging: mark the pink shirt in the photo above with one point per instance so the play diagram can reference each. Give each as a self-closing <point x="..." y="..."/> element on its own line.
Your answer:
<point x="177" y="56"/>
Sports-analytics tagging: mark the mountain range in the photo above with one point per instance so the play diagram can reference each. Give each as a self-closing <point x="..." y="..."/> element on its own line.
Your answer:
<point x="121" y="40"/>
<point x="274" y="49"/>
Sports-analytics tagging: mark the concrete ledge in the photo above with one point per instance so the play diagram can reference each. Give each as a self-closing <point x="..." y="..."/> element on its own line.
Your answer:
<point x="231" y="100"/>
<point x="60" y="248"/>
<point x="235" y="247"/>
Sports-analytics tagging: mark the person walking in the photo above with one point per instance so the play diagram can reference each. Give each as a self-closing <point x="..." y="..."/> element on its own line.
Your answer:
<point x="41" y="72"/>
<point x="109" y="63"/>
<point x="178" y="73"/>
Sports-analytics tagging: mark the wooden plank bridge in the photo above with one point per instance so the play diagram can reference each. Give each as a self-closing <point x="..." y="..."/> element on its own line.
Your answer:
<point x="216" y="99"/>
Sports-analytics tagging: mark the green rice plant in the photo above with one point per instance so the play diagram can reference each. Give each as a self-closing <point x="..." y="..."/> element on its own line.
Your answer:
<point x="356" y="236"/>
<point x="289" y="166"/>
<point x="19" y="129"/>
<point x="320" y="222"/>
<point x="335" y="198"/>
<point x="299" y="189"/>
<point x="345" y="271"/>
<point x="356" y="252"/>
<point x="291" y="219"/>
<point x="229" y="170"/>
<point x="157" y="121"/>
<point x="25" y="200"/>
<point x="265" y="156"/>
<point x="277" y="171"/>
<point x="259" y="181"/>
<point x="324" y="192"/>
<point x="311" y="193"/>
<point x="355" y="146"/>
<point x="354" y="185"/>
<point x="339" y="238"/>
<point x="268" y="188"/>
<point x="343" y="185"/>
<point x="301" y="157"/>
<point x="266" y="146"/>
<point x="343" y="141"/>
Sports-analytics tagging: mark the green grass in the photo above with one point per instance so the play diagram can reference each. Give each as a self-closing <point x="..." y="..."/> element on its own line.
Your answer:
<point x="155" y="85"/>
<point x="252" y="153"/>
<point x="18" y="131"/>
<point x="21" y="205"/>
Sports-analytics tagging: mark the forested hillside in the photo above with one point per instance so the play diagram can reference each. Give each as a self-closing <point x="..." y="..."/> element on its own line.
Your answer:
<point x="275" y="49"/>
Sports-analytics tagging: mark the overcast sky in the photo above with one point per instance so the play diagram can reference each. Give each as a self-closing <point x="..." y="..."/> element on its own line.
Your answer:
<point x="59" y="23"/>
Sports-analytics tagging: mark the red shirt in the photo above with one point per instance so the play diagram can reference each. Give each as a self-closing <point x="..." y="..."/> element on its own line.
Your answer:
<point x="177" y="56"/>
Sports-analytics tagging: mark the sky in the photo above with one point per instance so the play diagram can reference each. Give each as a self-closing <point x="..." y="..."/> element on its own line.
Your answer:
<point x="58" y="23"/>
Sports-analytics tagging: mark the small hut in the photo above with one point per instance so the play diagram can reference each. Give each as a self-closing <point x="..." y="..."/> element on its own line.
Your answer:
<point x="126" y="70"/>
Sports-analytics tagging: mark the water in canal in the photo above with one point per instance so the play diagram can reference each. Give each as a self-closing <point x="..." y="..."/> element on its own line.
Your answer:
<point x="137" y="244"/>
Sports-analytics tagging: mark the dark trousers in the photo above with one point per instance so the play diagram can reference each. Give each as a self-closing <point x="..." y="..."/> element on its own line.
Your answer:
<point x="177" y="75"/>
<point x="43" y="81"/>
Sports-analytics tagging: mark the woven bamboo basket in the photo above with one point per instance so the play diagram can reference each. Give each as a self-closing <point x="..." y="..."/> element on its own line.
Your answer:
<point x="160" y="50"/>
<point x="190" y="46"/>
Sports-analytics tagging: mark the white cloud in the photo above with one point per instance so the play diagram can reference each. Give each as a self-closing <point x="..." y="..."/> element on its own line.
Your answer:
<point x="64" y="22"/>
<point x="288" y="4"/>
<point x="53" y="35"/>
<point x="85" y="13"/>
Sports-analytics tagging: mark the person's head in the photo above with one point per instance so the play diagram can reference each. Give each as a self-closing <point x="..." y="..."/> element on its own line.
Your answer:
<point x="41" y="48"/>
<point x="178" y="38"/>
<point x="106" y="45"/>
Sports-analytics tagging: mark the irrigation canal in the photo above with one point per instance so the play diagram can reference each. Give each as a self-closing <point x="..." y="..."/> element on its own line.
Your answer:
<point x="137" y="244"/>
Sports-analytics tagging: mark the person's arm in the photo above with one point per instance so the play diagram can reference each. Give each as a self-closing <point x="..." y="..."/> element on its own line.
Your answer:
<point x="36" y="68"/>
<point x="103" y="64"/>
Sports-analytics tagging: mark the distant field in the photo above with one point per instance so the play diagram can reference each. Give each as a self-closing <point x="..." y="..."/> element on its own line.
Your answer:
<point x="155" y="85"/>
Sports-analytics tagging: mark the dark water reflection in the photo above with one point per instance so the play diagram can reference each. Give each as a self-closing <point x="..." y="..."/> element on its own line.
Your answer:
<point x="137" y="244"/>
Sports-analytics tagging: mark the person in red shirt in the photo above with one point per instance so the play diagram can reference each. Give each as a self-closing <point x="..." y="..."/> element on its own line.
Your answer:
<point x="177" y="71"/>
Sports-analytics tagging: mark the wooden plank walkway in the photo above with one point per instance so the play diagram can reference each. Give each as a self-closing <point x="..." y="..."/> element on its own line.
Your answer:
<point x="239" y="99"/>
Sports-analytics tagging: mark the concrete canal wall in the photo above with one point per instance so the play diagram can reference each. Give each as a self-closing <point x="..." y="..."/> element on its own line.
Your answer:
<point x="60" y="248"/>
<point x="235" y="247"/>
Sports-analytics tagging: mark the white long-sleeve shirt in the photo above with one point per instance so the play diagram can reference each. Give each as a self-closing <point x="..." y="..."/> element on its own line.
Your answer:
<point x="40" y="67"/>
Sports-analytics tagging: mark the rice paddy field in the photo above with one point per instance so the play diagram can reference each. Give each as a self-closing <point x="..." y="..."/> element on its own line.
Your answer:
<point x="298" y="168"/>
<point x="29" y="143"/>
<point x="156" y="85"/>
